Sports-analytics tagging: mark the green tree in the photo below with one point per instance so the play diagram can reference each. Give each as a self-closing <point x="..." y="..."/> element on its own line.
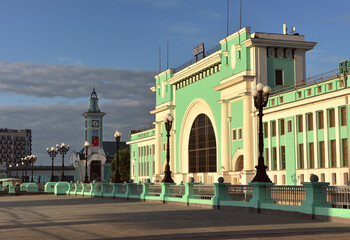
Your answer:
<point x="124" y="165"/>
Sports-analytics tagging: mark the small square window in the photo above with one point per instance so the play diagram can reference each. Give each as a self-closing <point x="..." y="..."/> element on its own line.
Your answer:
<point x="239" y="133"/>
<point x="341" y="84"/>
<point x="279" y="77"/>
<point x="272" y="101"/>
<point x="330" y="86"/>
<point x="281" y="99"/>
<point x="319" y="89"/>
<point x="309" y="92"/>
<point x="299" y="94"/>
<point x="234" y="136"/>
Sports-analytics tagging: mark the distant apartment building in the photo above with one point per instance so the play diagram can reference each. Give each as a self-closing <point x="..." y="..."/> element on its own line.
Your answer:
<point x="14" y="145"/>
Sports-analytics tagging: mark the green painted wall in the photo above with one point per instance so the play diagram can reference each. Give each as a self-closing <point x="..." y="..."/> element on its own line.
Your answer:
<point x="284" y="64"/>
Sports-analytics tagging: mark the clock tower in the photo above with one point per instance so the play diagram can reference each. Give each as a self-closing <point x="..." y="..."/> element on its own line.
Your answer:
<point x="94" y="124"/>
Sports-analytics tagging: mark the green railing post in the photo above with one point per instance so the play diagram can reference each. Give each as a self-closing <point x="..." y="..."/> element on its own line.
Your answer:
<point x="102" y="188"/>
<point x="220" y="194"/>
<point x="145" y="190"/>
<point x="92" y="190"/>
<point x="259" y="194"/>
<point x="128" y="187"/>
<point x="165" y="190"/>
<point x="313" y="197"/>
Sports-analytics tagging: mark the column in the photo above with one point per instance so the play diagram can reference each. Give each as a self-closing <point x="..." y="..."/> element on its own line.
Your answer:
<point x="225" y="136"/>
<point x="158" y="149"/>
<point x="337" y="136"/>
<point x="306" y="166"/>
<point x="316" y="146"/>
<point x="248" y="133"/>
<point x="278" y="147"/>
<point x="326" y="141"/>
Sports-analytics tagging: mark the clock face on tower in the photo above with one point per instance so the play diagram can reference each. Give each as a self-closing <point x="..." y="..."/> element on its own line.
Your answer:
<point x="95" y="123"/>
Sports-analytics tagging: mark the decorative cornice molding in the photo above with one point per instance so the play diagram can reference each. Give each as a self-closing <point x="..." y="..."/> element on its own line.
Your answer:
<point x="260" y="42"/>
<point x="233" y="81"/>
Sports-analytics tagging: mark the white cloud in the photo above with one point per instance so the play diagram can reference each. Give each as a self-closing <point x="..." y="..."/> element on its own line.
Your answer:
<point x="124" y="96"/>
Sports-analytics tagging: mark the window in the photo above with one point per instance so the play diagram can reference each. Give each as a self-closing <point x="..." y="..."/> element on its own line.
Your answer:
<point x="310" y="122"/>
<point x="345" y="152"/>
<point x="346" y="178"/>
<point x="267" y="158"/>
<point x="312" y="155"/>
<point x="272" y="101"/>
<point x="320" y="120"/>
<point x="341" y="84"/>
<point x="266" y="132"/>
<point x="281" y="99"/>
<point x="323" y="177"/>
<point x="274" y="149"/>
<point x="299" y="94"/>
<point x="330" y="86"/>
<point x="273" y="123"/>
<point x="319" y="89"/>
<point x="284" y="179"/>
<point x="322" y="155"/>
<point x="301" y="178"/>
<point x="309" y="92"/>
<point x="202" y="146"/>
<point x="234" y="137"/>
<point x="334" y="178"/>
<point x="289" y="124"/>
<point x="239" y="133"/>
<point x="333" y="154"/>
<point x="283" y="153"/>
<point x="331" y="117"/>
<point x="279" y="77"/>
<point x="300" y="123"/>
<point x="301" y="156"/>
<point x="282" y="126"/>
<point x="343" y="121"/>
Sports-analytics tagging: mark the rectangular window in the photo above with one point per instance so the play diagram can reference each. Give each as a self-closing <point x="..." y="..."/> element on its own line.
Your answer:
<point x="330" y="86"/>
<point x="301" y="156"/>
<point x="275" y="179"/>
<point x="322" y="155"/>
<point x="309" y="92"/>
<point x="266" y="131"/>
<point x="282" y="126"/>
<point x="346" y="178"/>
<point x="283" y="153"/>
<point x="300" y="123"/>
<point x="320" y="120"/>
<point x="281" y="99"/>
<point x="312" y="155"/>
<point x="289" y="123"/>
<point x="310" y="122"/>
<point x="273" y="123"/>
<point x="319" y="89"/>
<point x="234" y="137"/>
<point x="333" y="153"/>
<point x="323" y="177"/>
<point x="283" y="179"/>
<point x="239" y="133"/>
<point x="343" y="116"/>
<point x="279" y="77"/>
<point x="299" y="95"/>
<point x="267" y="158"/>
<point x="334" y="178"/>
<point x="331" y="115"/>
<point x="274" y="158"/>
<point x="345" y="152"/>
<point x="301" y="178"/>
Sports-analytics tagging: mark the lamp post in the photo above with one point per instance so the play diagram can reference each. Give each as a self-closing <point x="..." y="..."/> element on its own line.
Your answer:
<point x="16" y="170"/>
<point x="26" y="159"/>
<point x="62" y="150"/>
<point x="52" y="152"/>
<point x="32" y="159"/>
<point x="117" y="136"/>
<point x="10" y="167"/>
<point x="261" y="96"/>
<point x="86" y="145"/>
<point x="22" y="163"/>
<point x="168" y="121"/>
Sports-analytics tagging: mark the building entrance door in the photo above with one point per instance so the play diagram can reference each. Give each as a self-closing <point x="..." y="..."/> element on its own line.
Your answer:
<point x="95" y="171"/>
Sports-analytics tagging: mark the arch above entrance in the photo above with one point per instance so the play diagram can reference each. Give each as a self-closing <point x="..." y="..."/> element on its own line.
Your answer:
<point x="237" y="156"/>
<point x="195" y="108"/>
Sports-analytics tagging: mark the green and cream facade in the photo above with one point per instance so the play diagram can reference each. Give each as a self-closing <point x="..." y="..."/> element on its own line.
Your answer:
<point x="215" y="122"/>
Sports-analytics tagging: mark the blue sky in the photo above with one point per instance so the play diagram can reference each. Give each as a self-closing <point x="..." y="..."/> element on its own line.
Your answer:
<point x="53" y="52"/>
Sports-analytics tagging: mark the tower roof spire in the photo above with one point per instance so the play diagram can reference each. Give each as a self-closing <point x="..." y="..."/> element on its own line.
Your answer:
<point x="93" y="94"/>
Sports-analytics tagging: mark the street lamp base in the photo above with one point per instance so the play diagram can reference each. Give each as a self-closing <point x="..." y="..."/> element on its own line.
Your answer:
<point x="52" y="179"/>
<point x="63" y="179"/>
<point x="86" y="179"/>
<point x="261" y="175"/>
<point x="167" y="178"/>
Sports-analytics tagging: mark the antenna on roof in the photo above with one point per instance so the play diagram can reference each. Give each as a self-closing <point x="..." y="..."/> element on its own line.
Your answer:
<point x="160" y="68"/>
<point x="167" y="55"/>
<point x="227" y="9"/>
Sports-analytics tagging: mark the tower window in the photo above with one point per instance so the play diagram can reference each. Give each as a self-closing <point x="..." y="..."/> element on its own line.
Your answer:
<point x="279" y="77"/>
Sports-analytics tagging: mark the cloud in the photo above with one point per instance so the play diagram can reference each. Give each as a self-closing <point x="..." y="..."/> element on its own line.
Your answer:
<point x="123" y="94"/>
<point x="344" y="18"/>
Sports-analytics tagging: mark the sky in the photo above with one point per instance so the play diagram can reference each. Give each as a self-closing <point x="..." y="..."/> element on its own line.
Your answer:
<point x="53" y="52"/>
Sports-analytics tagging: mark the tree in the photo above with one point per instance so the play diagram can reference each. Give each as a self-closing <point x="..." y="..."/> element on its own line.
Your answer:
<point x="124" y="165"/>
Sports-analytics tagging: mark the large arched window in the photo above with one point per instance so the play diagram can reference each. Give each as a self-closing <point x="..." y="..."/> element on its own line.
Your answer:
<point x="202" y="146"/>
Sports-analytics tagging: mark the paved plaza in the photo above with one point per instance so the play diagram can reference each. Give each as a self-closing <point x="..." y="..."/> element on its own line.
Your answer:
<point x="75" y="217"/>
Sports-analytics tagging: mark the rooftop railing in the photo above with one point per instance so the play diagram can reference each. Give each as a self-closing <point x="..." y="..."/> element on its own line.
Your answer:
<point x="193" y="60"/>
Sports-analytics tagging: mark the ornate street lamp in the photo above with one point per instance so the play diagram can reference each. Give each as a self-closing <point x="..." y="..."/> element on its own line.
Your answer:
<point x="261" y="96"/>
<point x="62" y="150"/>
<point x="86" y="145"/>
<point x="117" y="136"/>
<point x="16" y="170"/>
<point x="32" y="159"/>
<point x="22" y="163"/>
<point x="10" y="167"/>
<point x="52" y="152"/>
<point x="168" y="121"/>
<point x="25" y="160"/>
